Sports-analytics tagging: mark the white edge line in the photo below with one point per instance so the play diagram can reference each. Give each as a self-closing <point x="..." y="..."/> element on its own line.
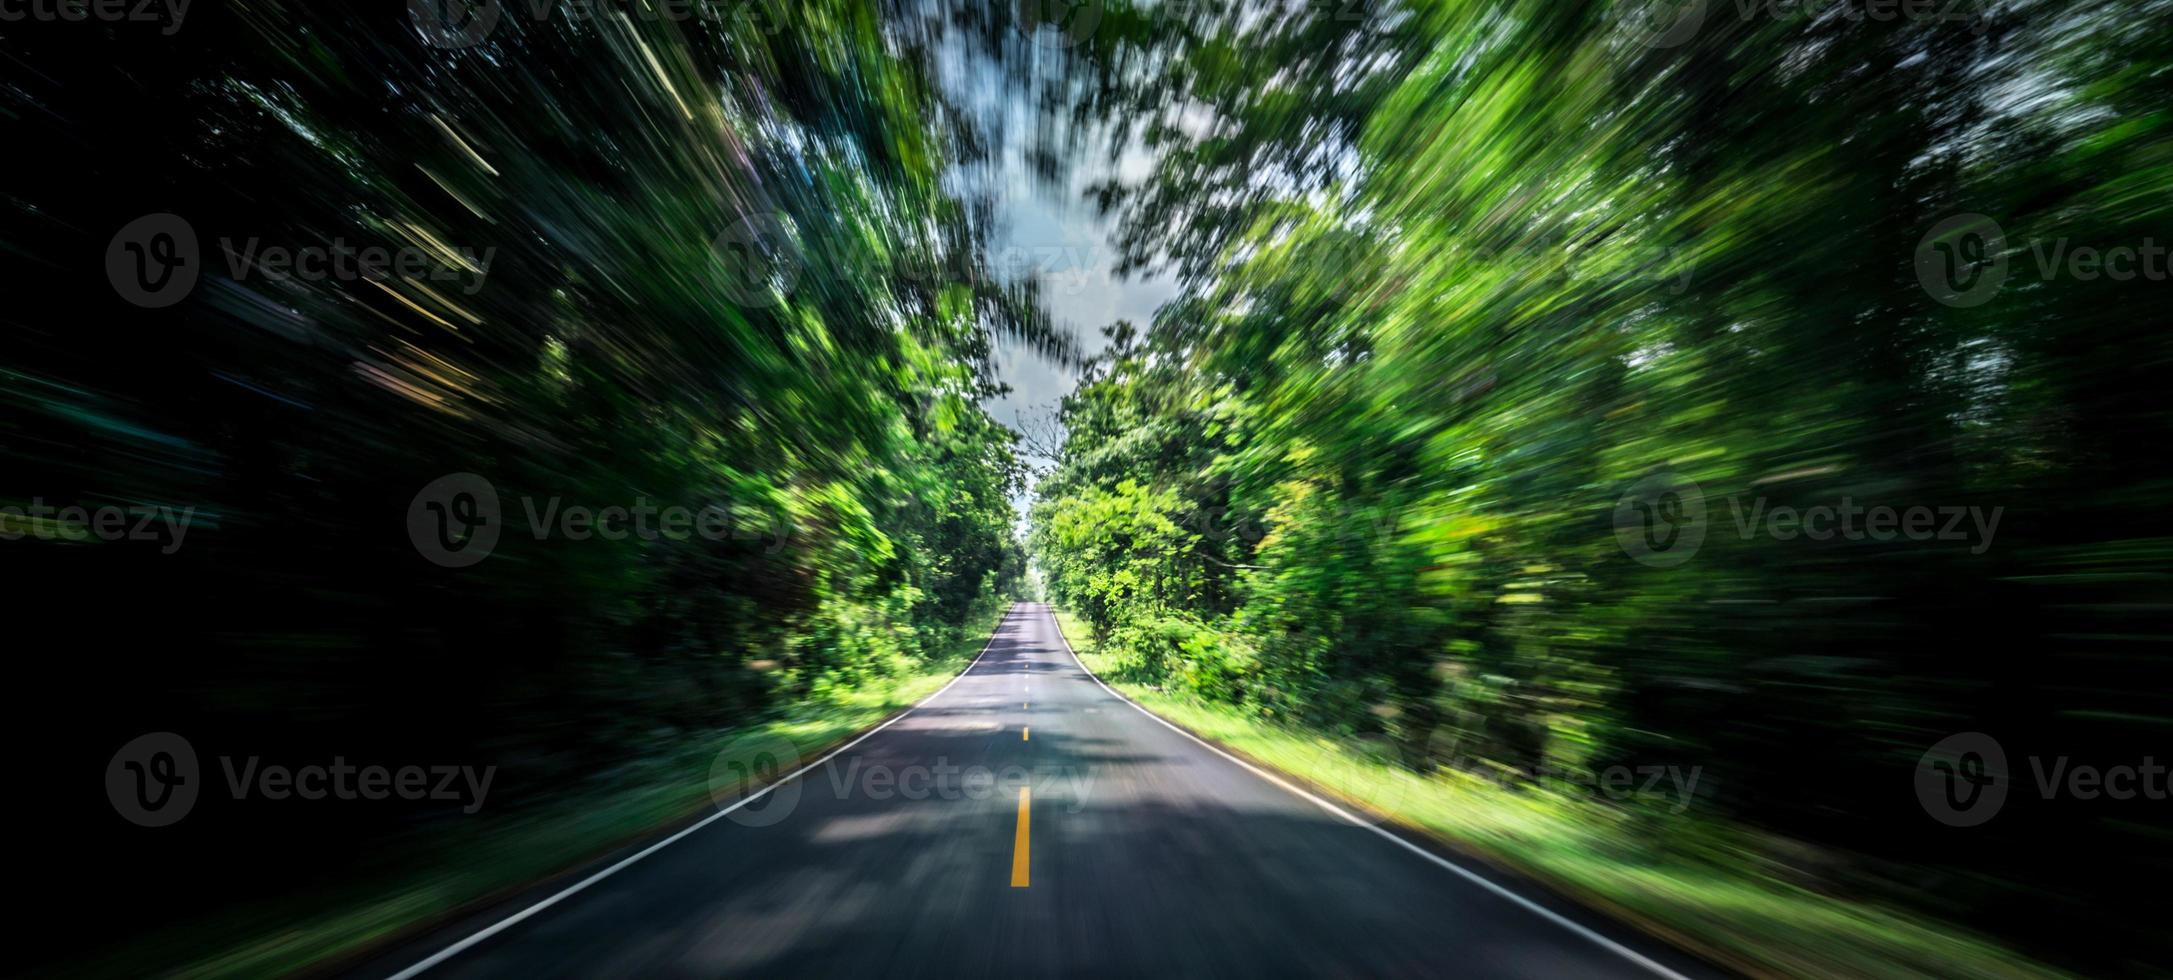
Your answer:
<point x="1527" y="904"/>
<point x="518" y="917"/>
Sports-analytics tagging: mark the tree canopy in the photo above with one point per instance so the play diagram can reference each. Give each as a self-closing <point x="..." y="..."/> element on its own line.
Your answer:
<point x="1472" y="288"/>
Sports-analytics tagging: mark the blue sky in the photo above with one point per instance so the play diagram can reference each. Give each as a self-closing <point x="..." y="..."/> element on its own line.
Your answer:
<point x="1059" y="236"/>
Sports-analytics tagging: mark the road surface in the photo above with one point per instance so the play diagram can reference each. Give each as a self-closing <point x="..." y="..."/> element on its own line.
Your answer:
<point x="1027" y="822"/>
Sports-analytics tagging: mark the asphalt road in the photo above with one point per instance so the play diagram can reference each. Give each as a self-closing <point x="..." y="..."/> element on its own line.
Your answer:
<point x="1143" y="853"/>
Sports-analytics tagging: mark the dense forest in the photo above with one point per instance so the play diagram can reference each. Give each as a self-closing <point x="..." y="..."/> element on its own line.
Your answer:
<point x="1531" y="272"/>
<point x="732" y="265"/>
<point x="1772" y="389"/>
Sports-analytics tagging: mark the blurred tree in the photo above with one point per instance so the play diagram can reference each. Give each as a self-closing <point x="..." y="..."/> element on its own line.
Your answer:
<point x="1466" y="278"/>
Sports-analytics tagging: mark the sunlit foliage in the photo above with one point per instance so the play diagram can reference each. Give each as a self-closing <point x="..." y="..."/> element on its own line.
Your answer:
<point x="1530" y="256"/>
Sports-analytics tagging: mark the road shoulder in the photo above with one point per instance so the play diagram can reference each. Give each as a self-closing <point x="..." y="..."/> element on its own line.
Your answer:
<point x="424" y="936"/>
<point x="1686" y="930"/>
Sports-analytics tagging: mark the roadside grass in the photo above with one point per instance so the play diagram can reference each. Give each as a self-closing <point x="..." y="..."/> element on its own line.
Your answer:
<point x="465" y="868"/>
<point x="1702" y="884"/>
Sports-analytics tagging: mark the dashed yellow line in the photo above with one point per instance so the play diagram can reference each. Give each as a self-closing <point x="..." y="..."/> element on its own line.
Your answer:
<point x="1026" y="734"/>
<point x="1018" y="841"/>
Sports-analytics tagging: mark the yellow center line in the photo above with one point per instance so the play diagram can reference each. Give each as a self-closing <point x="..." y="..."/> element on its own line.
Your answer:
<point x="1026" y="734"/>
<point x="1018" y="842"/>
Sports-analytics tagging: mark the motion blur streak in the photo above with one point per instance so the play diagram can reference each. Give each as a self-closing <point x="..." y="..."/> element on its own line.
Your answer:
<point x="1572" y="388"/>
<point x="607" y="265"/>
<point x="1701" y="461"/>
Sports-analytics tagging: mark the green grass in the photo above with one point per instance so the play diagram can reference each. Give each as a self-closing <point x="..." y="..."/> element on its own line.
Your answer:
<point x="466" y="867"/>
<point x="1702" y="884"/>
